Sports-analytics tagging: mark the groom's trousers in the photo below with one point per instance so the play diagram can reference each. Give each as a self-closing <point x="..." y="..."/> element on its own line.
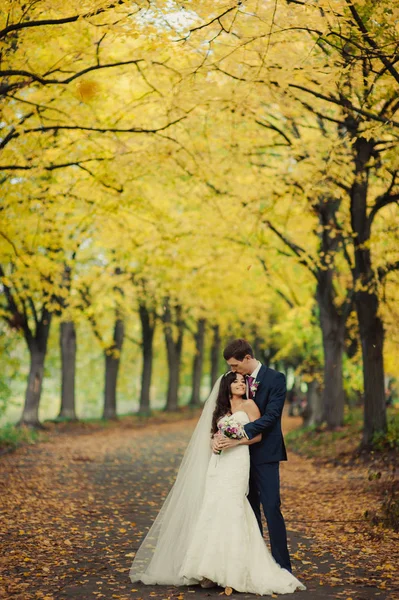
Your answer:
<point x="264" y="488"/>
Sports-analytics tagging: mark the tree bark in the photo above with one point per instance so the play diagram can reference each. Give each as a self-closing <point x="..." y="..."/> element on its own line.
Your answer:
<point x="174" y="346"/>
<point x="112" y="361"/>
<point x="333" y="391"/>
<point x="372" y="339"/>
<point x="198" y="362"/>
<point x="366" y="297"/>
<point x="215" y="354"/>
<point x="332" y="319"/>
<point x="147" y="319"/>
<point x="68" y="370"/>
<point x="314" y="409"/>
<point x="333" y="333"/>
<point x="37" y="350"/>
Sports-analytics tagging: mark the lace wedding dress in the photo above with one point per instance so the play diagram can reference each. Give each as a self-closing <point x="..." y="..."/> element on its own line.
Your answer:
<point x="226" y="545"/>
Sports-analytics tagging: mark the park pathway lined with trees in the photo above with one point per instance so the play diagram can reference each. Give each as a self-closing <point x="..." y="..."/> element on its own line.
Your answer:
<point x="174" y="175"/>
<point x="154" y="154"/>
<point x="75" y="508"/>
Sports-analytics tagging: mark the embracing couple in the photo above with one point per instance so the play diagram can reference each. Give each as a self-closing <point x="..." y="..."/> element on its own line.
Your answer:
<point x="209" y="529"/>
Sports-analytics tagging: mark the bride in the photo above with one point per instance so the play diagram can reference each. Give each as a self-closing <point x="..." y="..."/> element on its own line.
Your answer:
<point x="206" y="531"/>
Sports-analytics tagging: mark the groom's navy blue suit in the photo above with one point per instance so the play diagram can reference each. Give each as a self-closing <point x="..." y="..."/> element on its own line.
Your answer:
<point x="264" y="484"/>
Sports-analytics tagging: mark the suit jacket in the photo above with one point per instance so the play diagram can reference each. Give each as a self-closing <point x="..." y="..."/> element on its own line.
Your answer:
<point x="269" y="397"/>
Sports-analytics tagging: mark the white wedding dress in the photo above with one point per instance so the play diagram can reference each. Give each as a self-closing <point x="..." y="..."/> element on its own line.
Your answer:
<point x="206" y="526"/>
<point x="226" y="545"/>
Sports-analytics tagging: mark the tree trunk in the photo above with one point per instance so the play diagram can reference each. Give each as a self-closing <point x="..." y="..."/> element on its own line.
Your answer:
<point x="332" y="318"/>
<point x="68" y="369"/>
<point x="198" y="363"/>
<point x="366" y="297"/>
<point x="333" y="332"/>
<point x="112" y="361"/>
<point x="173" y="351"/>
<point x="37" y="349"/>
<point x="215" y="354"/>
<point x="372" y="338"/>
<point x="314" y="410"/>
<point x="30" y="414"/>
<point x="148" y="327"/>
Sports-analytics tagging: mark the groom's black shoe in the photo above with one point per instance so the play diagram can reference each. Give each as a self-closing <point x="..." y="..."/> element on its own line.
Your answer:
<point x="207" y="583"/>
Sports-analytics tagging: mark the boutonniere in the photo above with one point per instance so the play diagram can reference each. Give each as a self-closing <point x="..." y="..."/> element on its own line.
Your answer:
<point x="254" y="387"/>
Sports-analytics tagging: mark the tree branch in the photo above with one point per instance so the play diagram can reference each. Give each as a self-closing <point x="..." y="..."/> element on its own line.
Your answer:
<point x="344" y="103"/>
<point x="278" y="291"/>
<point x="85" y="295"/>
<point x="44" y="22"/>
<point x="388" y="268"/>
<point x="340" y="184"/>
<point x="10" y="242"/>
<point x="75" y="163"/>
<point x="371" y="41"/>
<point x="11" y="133"/>
<point x="44" y="81"/>
<point x="19" y="321"/>
<point x="214" y="20"/>
<point x="297" y="250"/>
<point x="55" y="128"/>
<point x="274" y="128"/>
<point x="133" y="341"/>
<point x="108" y="186"/>
<point x="34" y="313"/>
<point x="384" y="200"/>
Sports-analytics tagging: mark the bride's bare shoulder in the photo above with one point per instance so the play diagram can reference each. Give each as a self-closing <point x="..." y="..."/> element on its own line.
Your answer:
<point x="252" y="410"/>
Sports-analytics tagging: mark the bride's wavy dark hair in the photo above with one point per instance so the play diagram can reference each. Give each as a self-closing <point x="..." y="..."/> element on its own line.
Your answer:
<point x="223" y="407"/>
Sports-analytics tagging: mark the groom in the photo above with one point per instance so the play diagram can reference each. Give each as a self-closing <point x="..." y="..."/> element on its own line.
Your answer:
<point x="268" y="390"/>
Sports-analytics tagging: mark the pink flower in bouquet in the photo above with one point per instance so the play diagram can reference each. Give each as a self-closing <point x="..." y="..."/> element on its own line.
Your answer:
<point x="230" y="428"/>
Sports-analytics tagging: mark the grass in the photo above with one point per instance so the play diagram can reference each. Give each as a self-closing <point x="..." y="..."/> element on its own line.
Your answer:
<point x="389" y="440"/>
<point x="319" y="442"/>
<point x="11" y="437"/>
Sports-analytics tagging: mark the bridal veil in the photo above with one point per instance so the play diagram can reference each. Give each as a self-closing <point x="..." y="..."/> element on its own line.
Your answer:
<point x="161" y="554"/>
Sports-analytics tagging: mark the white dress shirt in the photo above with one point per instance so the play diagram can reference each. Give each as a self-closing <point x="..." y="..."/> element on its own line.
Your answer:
<point x="254" y="374"/>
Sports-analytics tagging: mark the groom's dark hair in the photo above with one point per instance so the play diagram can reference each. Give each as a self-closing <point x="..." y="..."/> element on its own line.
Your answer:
<point x="238" y="349"/>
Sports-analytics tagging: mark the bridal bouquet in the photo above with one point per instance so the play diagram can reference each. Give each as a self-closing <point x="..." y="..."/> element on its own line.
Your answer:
<point x="230" y="428"/>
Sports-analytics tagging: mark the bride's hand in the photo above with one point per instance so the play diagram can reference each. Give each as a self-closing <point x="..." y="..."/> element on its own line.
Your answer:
<point x="215" y="443"/>
<point x="226" y="442"/>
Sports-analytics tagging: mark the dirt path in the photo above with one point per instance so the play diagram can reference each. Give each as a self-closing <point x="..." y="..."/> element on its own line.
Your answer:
<point x="74" y="510"/>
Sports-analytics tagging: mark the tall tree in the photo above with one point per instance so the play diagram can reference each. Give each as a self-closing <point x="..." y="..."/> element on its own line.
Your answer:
<point x="215" y="354"/>
<point x="173" y="331"/>
<point x="22" y="313"/>
<point x="198" y="362"/>
<point x="148" y="322"/>
<point x="68" y="370"/>
<point x="112" y="361"/>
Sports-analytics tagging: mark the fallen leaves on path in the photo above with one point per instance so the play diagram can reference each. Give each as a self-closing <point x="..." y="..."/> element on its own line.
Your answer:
<point x="74" y="510"/>
<point x="327" y="504"/>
